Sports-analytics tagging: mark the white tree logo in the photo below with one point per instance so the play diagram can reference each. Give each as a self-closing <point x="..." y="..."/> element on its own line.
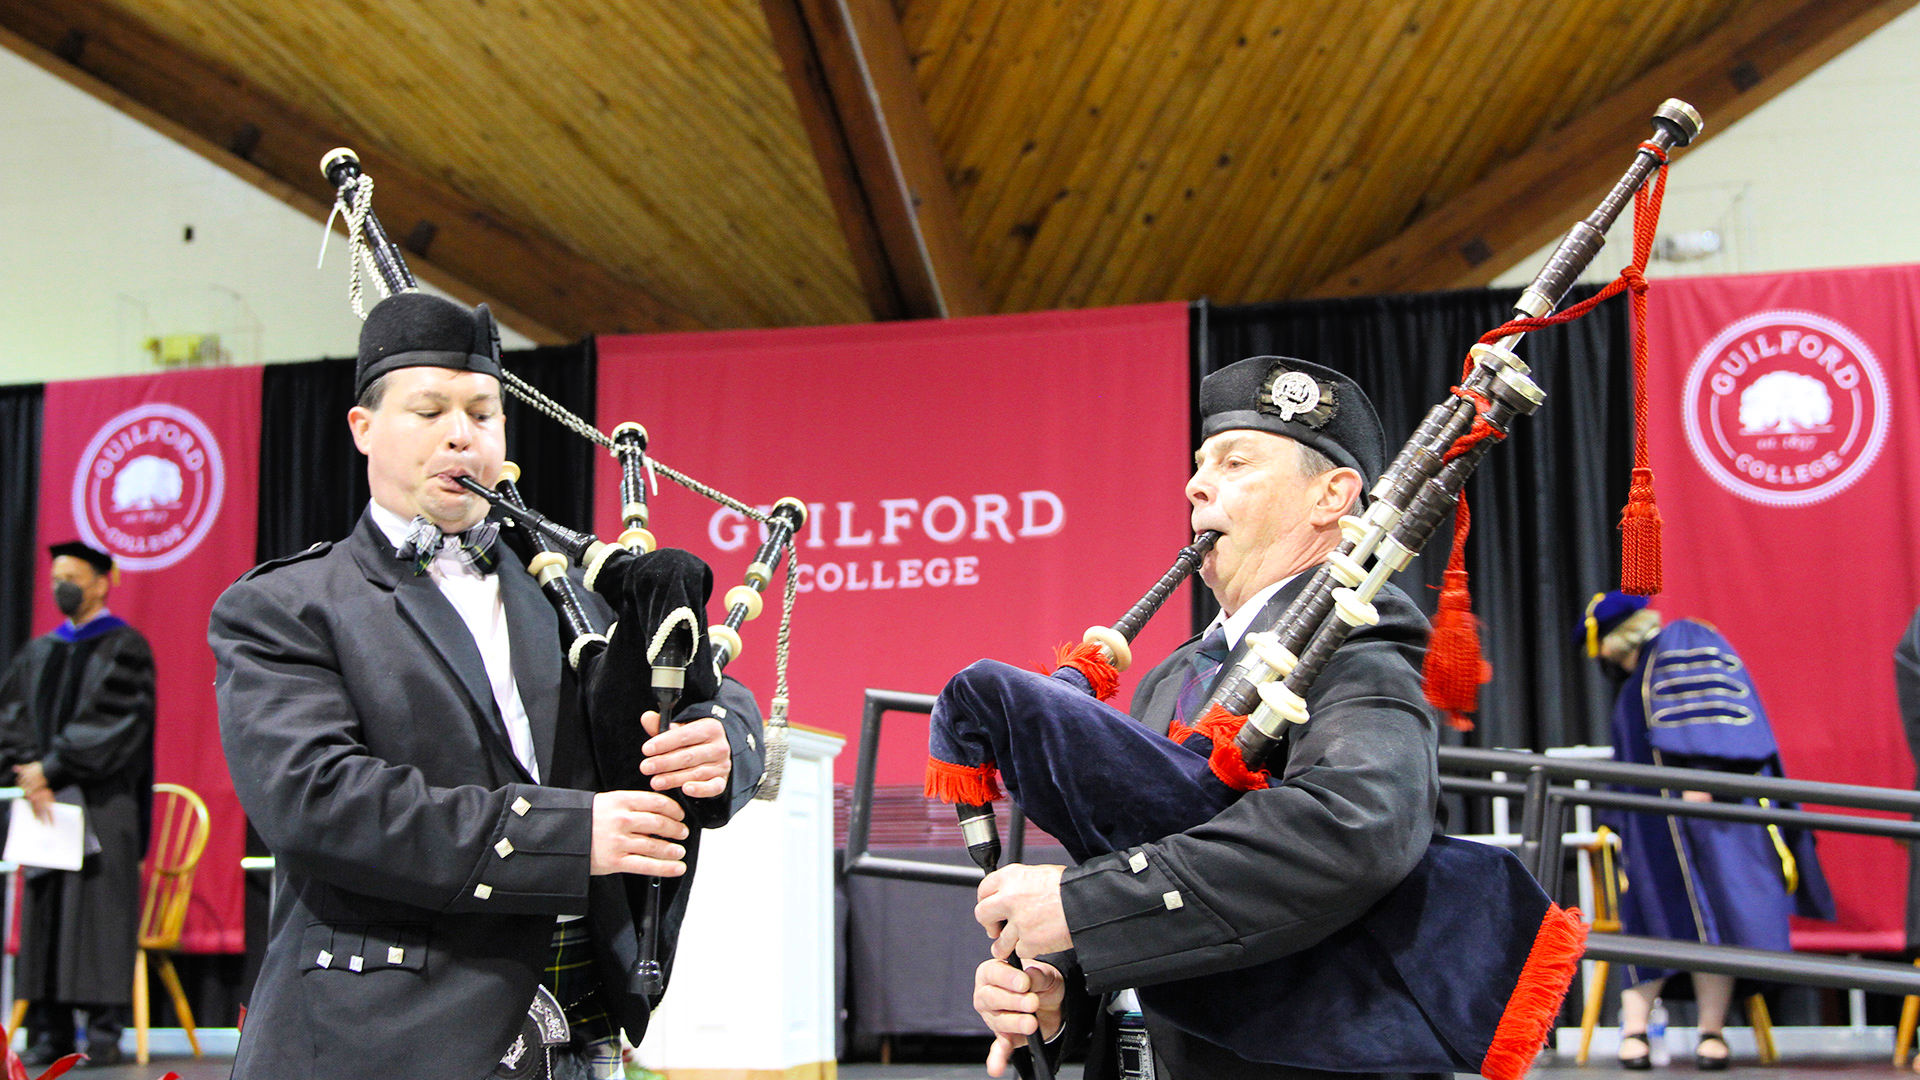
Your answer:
<point x="1785" y="402"/>
<point x="146" y="483"/>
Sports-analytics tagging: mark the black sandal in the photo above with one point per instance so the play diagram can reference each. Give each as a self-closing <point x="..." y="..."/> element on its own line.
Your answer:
<point x="1710" y="1064"/>
<point x="1645" y="1058"/>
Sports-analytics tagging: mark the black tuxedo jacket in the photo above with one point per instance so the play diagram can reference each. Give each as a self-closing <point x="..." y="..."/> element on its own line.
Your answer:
<point x="419" y="867"/>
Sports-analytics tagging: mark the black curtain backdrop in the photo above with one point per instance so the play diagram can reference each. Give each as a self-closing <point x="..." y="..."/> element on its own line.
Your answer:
<point x="1545" y="505"/>
<point x="20" y="480"/>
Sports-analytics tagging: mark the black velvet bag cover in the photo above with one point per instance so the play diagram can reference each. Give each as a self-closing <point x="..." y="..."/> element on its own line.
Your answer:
<point x="660" y="603"/>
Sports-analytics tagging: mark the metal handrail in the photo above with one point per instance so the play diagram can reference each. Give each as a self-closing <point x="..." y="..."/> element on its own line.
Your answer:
<point x="1846" y="973"/>
<point x="859" y="861"/>
<point x="1546" y="791"/>
<point x="1892" y="800"/>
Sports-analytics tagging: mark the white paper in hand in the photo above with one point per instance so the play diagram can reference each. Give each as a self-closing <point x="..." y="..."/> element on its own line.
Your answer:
<point x="32" y="842"/>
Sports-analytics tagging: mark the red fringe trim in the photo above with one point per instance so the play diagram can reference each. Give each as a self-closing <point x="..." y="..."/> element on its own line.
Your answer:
<point x="1535" y="1001"/>
<point x="1221" y="727"/>
<point x="962" y="785"/>
<point x="1089" y="660"/>
<point x="1179" y="732"/>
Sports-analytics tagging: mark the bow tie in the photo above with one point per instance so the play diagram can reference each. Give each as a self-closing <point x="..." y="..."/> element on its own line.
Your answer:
<point x="425" y="541"/>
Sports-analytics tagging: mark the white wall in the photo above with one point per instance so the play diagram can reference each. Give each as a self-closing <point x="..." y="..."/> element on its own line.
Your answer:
<point x="1825" y="175"/>
<point x="94" y="207"/>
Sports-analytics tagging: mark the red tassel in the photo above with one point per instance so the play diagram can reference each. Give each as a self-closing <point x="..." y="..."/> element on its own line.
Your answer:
<point x="1535" y="1001"/>
<point x="1640" y="570"/>
<point x="1453" y="668"/>
<point x="1090" y="660"/>
<point x="1221" y="728"/>
<point x="962" y="785"/>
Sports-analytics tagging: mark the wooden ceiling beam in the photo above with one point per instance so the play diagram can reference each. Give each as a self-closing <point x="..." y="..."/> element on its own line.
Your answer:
<point x="533" y="283"/>
<point x="1531" y="199"/>
<point x="852" y="79"/>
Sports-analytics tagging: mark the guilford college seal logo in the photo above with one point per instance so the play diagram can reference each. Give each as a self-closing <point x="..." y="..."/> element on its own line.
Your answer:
<point x="1786" y="408"/>
<point x="149" y="486"/>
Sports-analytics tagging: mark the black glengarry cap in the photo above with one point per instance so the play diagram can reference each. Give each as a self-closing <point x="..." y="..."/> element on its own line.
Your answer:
<point x="417" y="329"/>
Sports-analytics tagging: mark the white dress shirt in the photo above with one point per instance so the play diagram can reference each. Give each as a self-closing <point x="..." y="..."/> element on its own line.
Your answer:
<point x="1237" y="624"/>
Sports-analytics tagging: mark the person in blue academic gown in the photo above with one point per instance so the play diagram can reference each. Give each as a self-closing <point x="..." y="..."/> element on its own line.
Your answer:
<point x="1689" y="702"/>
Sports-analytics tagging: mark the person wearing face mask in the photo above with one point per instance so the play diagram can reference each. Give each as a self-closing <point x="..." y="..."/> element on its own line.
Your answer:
<point x="76" y="725"/>
<point x="1289" y="447"/>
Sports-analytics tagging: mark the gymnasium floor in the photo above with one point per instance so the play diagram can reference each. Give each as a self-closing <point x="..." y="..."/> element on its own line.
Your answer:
<point x="1877" y="1069"/>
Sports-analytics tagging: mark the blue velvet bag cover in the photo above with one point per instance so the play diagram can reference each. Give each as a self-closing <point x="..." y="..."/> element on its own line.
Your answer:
<point x="1461" y="968"/>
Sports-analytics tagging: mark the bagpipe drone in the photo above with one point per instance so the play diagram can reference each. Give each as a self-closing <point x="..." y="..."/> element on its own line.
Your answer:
<point x="659" y="648"/>
<point x="1463" y="965"/>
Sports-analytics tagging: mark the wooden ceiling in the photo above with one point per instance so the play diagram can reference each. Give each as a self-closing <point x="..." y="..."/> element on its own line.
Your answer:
<point x="592" y="166"/>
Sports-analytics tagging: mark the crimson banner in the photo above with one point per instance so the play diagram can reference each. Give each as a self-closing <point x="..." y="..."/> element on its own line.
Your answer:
<point x="162" y="471"/>
<point x="982" y="487"/>
<point x="1782" y="432"/>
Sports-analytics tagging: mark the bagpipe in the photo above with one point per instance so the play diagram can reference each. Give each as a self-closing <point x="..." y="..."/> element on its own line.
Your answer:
<point x="1463" y="965"/>
<point x="659" y="648"/>
<point x="1107" y="650"/>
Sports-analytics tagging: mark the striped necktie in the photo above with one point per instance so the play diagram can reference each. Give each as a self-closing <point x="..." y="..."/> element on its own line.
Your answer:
<point x="1202" y="666"/>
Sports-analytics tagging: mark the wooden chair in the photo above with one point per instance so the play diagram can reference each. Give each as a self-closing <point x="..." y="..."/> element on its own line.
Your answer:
<point x="180" y="829"/>
<point x="1606" y="919"/>
<point x="1903" y="1038"/>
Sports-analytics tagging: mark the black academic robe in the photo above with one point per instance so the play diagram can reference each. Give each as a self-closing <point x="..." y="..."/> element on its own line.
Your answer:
<point x="82" y="704"/>
<point x="419" y="866"/>
<point x="1350" y="812"/>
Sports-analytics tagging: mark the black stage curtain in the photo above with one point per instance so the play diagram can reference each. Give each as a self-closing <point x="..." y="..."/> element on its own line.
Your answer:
<point x="20" y="479"/>
<point x="556" y="464"/>
<point x="313" y="483"/>
<point x="1545" y="529"/>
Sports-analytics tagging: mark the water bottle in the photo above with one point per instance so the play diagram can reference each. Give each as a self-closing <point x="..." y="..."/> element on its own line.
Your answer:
<point x="1657" y="1035"/>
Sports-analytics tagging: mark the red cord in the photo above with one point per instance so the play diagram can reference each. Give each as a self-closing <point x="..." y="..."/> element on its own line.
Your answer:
<point x="1454" y="668"/>
<point x="1640" y="564"/>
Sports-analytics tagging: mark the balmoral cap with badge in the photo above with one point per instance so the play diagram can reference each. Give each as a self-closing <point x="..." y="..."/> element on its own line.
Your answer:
<point x="1306" y="402"/>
